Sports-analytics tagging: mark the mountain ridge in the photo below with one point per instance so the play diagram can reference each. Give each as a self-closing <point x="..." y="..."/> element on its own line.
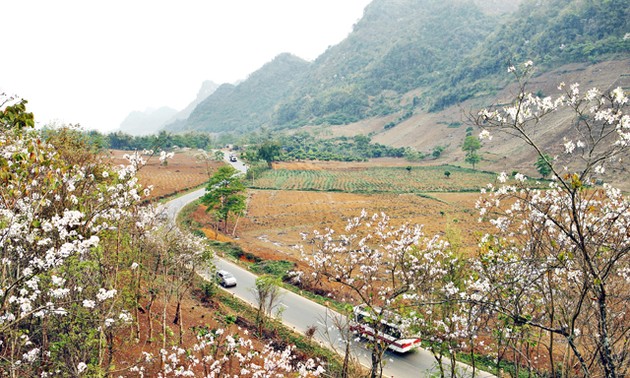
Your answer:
<point x="410" y="57"/>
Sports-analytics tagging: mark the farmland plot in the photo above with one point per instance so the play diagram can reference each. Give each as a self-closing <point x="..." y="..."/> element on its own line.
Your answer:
<point x="184" y="171"/>
<point x="275" y="218"/>
<point x="376" y="179"/>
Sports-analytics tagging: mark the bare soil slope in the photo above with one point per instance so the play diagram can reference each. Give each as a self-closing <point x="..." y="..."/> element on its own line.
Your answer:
<point x="423" y="131"/>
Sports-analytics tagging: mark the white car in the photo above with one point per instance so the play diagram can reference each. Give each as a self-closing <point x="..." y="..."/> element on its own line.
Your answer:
<point x="226" y="279"/>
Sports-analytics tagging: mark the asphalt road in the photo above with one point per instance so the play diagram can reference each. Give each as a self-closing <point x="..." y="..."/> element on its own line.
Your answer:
<point x="300" y="313"/>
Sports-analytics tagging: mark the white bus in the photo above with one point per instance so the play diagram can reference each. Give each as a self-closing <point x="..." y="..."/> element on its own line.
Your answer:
<point x="390" y="333"/>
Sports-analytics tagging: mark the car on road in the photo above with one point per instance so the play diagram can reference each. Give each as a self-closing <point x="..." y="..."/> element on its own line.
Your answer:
<point x="225" y="278"/>
<point x="232" y="158"/>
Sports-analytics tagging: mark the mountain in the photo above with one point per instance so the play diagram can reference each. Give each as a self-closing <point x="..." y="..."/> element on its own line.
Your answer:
<point x="153" y="120"/>
<point x="550" y="33"/>
<point x="248" y="105"/>
<point x="208" y="87"/>
<point x="398" y="45"/>
<point x="410" y="57"/>
<point x="148" y="122"/>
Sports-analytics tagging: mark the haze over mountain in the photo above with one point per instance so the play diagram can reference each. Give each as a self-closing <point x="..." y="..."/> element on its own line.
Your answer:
<point x="208" y="87"/>
<point x="404" y="73"/>
<point x="151" y="121"/>
<point x="146" y="122"/>
<point x="250" y="104"/>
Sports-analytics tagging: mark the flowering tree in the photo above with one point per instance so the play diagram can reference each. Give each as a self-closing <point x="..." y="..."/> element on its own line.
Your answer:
<point x="383" y="267"/>
<point x="59" y="280"/>
<point x="218" y="353"/>
<point x="559" y="259"/>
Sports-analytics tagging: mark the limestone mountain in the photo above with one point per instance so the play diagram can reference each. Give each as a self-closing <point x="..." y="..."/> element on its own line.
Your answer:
<point x="406" y="57"/>
<point x="208" y="87"/>
<point x="250" y="104"/>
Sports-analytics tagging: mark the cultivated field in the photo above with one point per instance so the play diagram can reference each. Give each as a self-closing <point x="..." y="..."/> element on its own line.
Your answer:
<point x="326" y="194"/>
<point x="275" y="218"/>
<point x="375" y="179"/>
<point x="187" y="169"/>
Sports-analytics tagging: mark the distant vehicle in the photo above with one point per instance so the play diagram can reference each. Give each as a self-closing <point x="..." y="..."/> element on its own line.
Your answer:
<point x="226" y="279"/>
<point x="390" y="332"/>
<point x="232" y="158"/>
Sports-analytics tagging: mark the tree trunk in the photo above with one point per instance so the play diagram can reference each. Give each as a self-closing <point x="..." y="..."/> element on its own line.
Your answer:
<point x="605" y="352"/>
<point x="150" y="319"/>
<point x="346" y="361"/>
<point x="179" y="321"/>
<point x="377" y="363"/>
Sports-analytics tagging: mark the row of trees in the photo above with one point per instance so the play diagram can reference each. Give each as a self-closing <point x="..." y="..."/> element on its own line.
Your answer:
<point x="305" y="146"/>
<point x="546" y="290"/>
<point x="163" y="140"/>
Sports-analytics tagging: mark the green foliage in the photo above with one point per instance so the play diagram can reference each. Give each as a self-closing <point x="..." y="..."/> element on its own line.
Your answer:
<point x="276" y="268"/>
<point x="395" y="47"/>
<point x="225" y="194"/>
<point x="550" y="33"/>
<point x="122" y="141"/>
<point x="413" y="155"/>
<point x="472" y="158"/>
<point x="269" y="151"/>
<point x="471" y="145"/>
<point x="250" y="104"/>
<point x="15" y="116"/>
<point x="304" y="146"/>
<point x="543" y="165"/>
<point x="208" y="289"/>
<point x="437" y="151"/>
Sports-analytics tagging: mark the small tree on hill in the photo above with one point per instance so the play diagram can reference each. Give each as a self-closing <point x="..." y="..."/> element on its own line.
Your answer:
<point x="543" y="165"/>
<point x="470" y="146"/>
<point x="437" y="151"/>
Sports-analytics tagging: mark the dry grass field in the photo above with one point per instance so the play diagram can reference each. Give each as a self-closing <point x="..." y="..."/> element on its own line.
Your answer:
<point x="275" y="219"/>
<point x="184" y="171"/>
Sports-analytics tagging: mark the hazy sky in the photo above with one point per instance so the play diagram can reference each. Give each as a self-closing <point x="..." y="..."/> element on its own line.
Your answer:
<point x="93" y="62"/>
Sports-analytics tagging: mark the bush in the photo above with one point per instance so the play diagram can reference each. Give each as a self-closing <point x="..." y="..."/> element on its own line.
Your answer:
<point x="276" y="268"/>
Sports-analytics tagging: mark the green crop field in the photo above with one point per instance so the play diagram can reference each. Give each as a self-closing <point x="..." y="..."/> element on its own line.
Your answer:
<point x="377" y="180"/>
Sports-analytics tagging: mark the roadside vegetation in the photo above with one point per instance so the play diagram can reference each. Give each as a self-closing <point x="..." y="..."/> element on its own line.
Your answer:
<point x="94" y="282"/>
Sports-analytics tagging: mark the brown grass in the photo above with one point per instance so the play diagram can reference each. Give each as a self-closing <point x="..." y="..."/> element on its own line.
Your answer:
<point x="184" y="171"/>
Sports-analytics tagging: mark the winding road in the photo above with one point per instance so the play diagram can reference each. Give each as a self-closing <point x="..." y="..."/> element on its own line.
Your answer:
<point x="301" y="314"/>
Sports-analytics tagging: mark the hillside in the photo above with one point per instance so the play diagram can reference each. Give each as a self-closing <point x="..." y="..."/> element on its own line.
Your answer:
<point x="425" y="130"/>
<point x="248" y="105"/>
<point x="396" y="47"/>
<point x="550" y="33"/>
<point x="420" y="62"/>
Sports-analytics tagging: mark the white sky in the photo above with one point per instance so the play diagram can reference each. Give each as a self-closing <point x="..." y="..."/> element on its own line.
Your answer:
<point x="93" y="62"/>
